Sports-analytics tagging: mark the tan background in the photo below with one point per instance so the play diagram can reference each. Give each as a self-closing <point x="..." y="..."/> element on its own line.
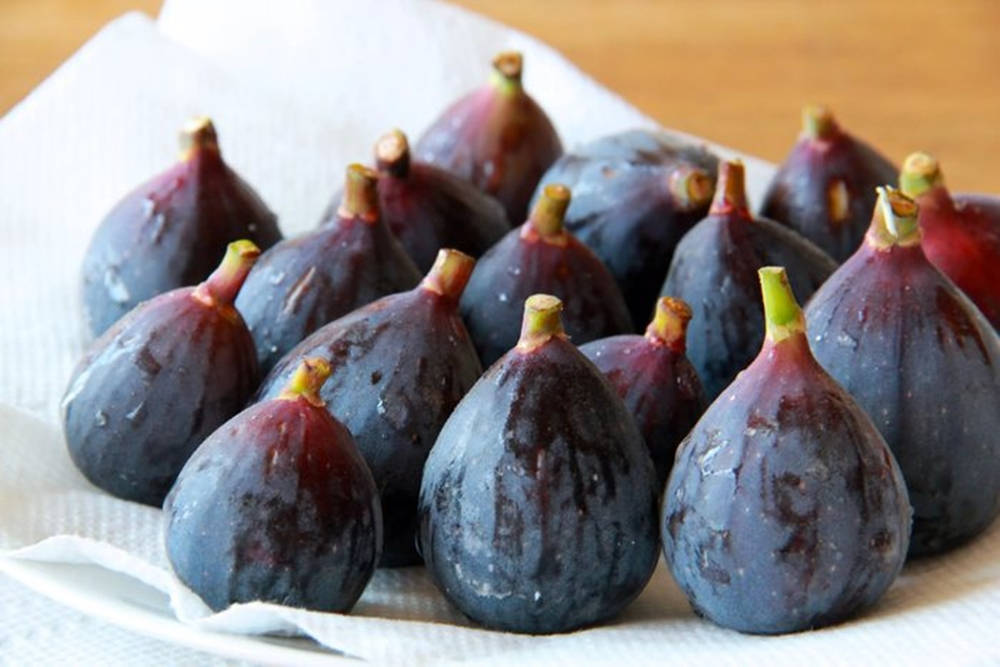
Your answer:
<point x="903" y="74"/>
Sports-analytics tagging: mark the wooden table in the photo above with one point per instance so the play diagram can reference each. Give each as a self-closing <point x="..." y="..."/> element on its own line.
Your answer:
<point x="905" y="74"/>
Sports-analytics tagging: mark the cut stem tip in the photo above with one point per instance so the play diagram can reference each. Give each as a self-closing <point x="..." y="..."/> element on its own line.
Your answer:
<point x="225" y="282"/>
<point x="894" y="222"/>
<point x="691" y="187"/>
<point x="450" y="273"/>
<point x="730" y="191"/>
<point x="550" y="210"/>
<point x="198" y="133"/>
<point x="392" y="153"/>
<point x="782" y="314"/>
<point x="818" y="122"/>
<point x="360" y="193"/>
<point x="542" y="321"/>
<point x="920" y="173"/>
<point x="669" y="325"/>
<point x="307" y="380"/>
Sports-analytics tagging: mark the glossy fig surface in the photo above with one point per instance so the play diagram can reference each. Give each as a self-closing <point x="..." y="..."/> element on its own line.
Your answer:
<point x="538" y="502"/>
<point x="171" y="231"/>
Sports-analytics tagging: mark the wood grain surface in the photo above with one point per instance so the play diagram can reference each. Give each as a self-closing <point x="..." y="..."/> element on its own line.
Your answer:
<point x="905" y="75"/>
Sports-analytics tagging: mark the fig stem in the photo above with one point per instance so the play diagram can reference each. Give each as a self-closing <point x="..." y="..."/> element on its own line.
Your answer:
<point x="307" y="380"/>
<point x="782" y="314"/>
<point x="506" y="76"/>
<point x="691" y="187"/>
<point x="818" y="122"/>
<point x="542" y="321"/>
<point x="225" y="282"/>
<point x="360" y="194"/>
<point x="450" y="273"/>
<point x="392" y="153"/>
<point x="894" y="222"/>
<point x="730" y="190"/>
<point x="921" y="172"/>
<point x="550" y="210"/>
<point x="198" y="134"/>
<point x="669" y="325"/>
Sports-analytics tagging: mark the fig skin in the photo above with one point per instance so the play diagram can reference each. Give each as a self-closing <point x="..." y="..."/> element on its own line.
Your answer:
<point x="785" y="509"/>
<point x="399" y="367"/>
<point x="922" y="360"/>
<point x="496" y="137"/>
<point x="961" y="233"/>
<point x="538" y="502"/>
<point x="171" y="231"/>
<point x="635" y="194"/>
<point x="714" y="270"/>
<point x="541" y="256"/>
<point x="277" y="505"/>
<point x="825" y="189"/>
<point x="656" y="381"/>
<point x="303" y="283"/>
<point x="158" y="382"/>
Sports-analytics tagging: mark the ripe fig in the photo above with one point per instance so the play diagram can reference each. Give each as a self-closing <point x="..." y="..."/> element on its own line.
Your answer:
<point x="277" y="505"/>
<point x="657" y="382"/>
<point x="399" y="367"/>
<point x="303" y="283"/>
<point x="635" y="194"/>
<point x="161" y="379"/>
<point x="496" y="137"/>
<point x="541" y="256"/>
<point x="538" y="503"/>
<point x="170" y="231"/>
<point x="715" y="271"/>
<point x="961" y="233"/>
<point x="825" y="190"/>
<point x="785" y="509"/>
<point x="925" y="364"/>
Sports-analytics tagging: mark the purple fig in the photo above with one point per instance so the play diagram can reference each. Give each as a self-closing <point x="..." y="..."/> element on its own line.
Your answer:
<point x="825" y="190"/>
<point x="925" y="364"/>
<point x="496" y="137"/>
<point x="170" y="231"/>
<point x="161" y="379"/>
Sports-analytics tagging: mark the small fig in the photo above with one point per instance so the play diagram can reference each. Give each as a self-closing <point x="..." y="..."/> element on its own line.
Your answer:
<point x="277" y="505"/>
<point x="538" y="502"/>
<point x="162" y="378"/>
<point x="170" y="231"/>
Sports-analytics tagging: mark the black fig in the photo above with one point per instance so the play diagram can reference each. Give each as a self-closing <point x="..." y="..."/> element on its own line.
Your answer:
<point x="925" y="364"/>
<point x="399" y="367"/>
<point x="715" y="271"/>
<point x="162" y="378"/>
<point x="785" y="509"/>
<point x="657" y="382"/>
<point x="303" y="283"/>
<point x="825" y="190"/>
<point x="538" y="503"/>
<point x="496" y="137"/>
<point x="541" y="256"/>
<point x="277" y="505"/>
<point x="170" y="231"/>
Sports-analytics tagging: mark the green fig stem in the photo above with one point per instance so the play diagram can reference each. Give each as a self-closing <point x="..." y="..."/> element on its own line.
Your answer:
<point x="507" y="67"/>
<point x="669" y="325"/>
<point x="225" y="282"/>
<point x="894" y="222"/>
<point x="782" y="315"/>
<point x="921" y="172"/>
<point x="691" y="187"/>
<point x="450" y="273"/>
<point x="360" y="194"/>
<point x="550" y="210"/>
<point x="392" y="153"/>
<point x="306" y="381"/>
<point x="818" y="123"/>
<point x="198" y="134"/>
<point x="542" y="321"/>
<point x="730" y="190"/>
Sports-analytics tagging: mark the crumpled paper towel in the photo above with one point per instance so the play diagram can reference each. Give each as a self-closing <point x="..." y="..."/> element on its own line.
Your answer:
<point x="289" y="121"/>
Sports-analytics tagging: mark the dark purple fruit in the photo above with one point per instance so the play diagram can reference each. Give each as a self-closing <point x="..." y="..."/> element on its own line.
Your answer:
<point x="925" y="364"/>
<point x="538" y="503"/>
<point x="399" y="367"/>
<point x="785" y="509"/>
<point x="162" y="378"/>
<point x="961" y="234"/>
<point x="303" y="283"/>
<point x="635" y="194"/>
<point x="277" y="505"/>
<point x="541" y="256"/>
<point x="715" y="271"/>
<point x="496" y="137"/>
<point x="657" y="382"/>
<point x="825" y="190"/>
<point x="171" y="231"/>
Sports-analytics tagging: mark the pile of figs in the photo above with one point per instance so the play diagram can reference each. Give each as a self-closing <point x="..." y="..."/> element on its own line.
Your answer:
<point x="534" y="372"/>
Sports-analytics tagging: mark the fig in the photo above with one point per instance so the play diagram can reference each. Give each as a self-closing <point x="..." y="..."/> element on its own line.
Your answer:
<point x="960" y="233"/>
<point x="657" y="382"/>
<point x="825" y="190"/>
<point x="541" y="256"/>
<point x="496" y="137"/>
<point x="538" y="502"/>
<point x="714" y="270"/>
<point x="302" y="283"/>
<point x="399" y="367"/>
<point x="925" y="364"/>
<point x="635" y="194"/>
<point x="170" y="231"/>
<point x="785" y="509"/>
<point x="159" y="381"/>
<point x="277" y="505"/>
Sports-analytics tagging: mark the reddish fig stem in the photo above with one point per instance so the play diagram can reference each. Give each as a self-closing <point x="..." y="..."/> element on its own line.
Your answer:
<point x="360" y="194"/>
<point x="669" y="325"/>
<point x="730" y="191"/>
<point x="691" y="187"/>
<point x="507" y="67"/>
<point x="782" y="314"/>
<point x="894" y="222"/>
<point x="542" y="322"/>
<point x="225" y="282"/>
<point x="196" y="135"/>
<point x="921" y="173"/>
<point x="392" y="153"/>
<point x="307" y="381"/>
<point x="450" y="273"/>
<point x="818" y="123"/>
<point x="550" y="210"/>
